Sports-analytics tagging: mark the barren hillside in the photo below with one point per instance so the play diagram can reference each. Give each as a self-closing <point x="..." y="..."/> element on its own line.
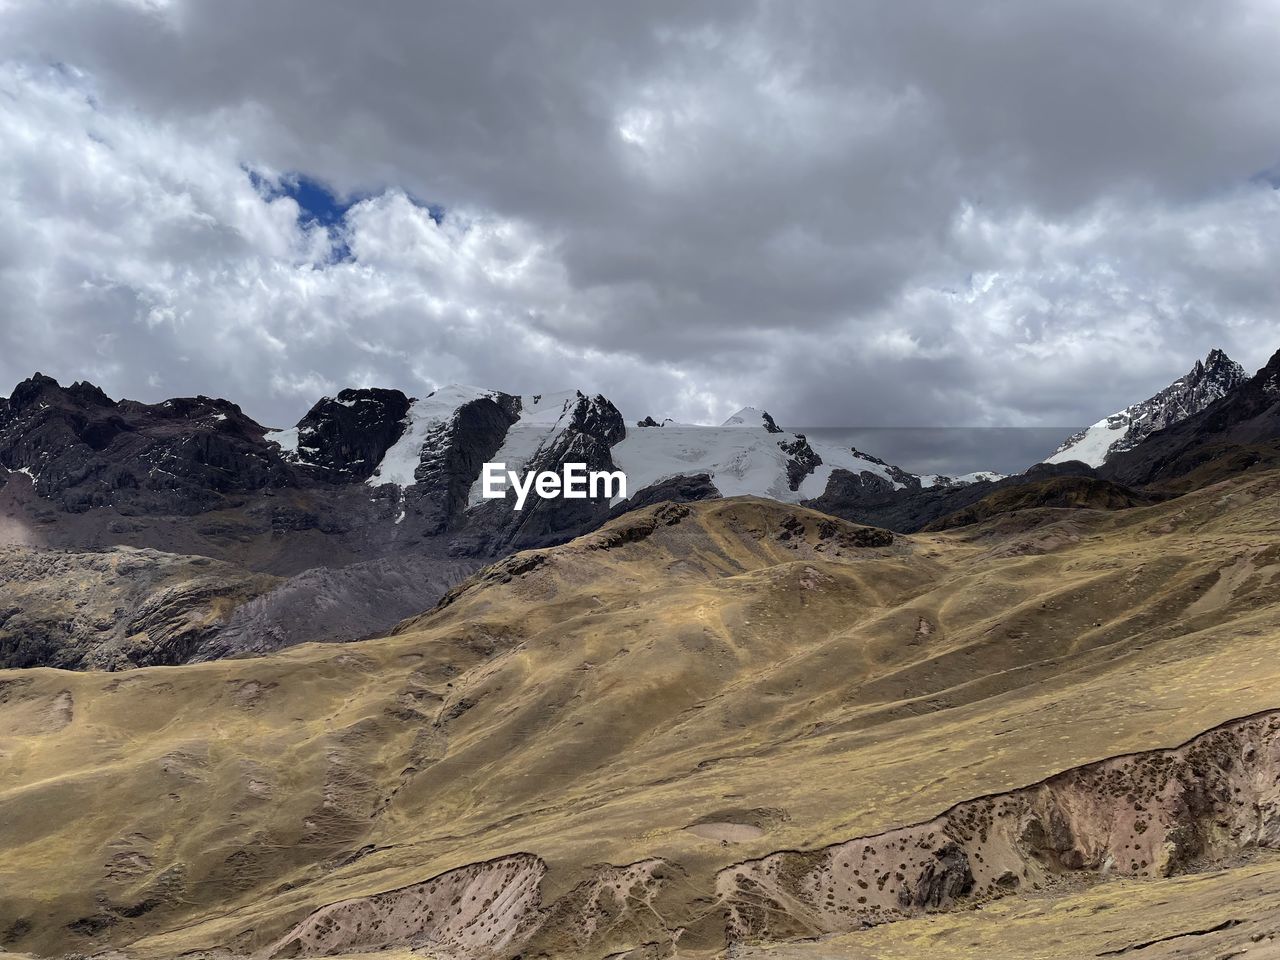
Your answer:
<point x="687" y="730"/>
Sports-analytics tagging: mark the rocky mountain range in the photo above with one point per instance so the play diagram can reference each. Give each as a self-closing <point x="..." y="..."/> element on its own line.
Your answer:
<point x="369" y="508"/>
<point x="318" y="516"/>
<point x="703" y="721"/>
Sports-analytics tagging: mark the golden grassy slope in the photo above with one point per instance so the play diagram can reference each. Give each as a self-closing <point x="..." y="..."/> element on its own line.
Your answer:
<point x="747" y="667"/>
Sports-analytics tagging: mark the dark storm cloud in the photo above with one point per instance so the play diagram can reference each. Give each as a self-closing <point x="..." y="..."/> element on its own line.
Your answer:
<point x="852" y="213"/>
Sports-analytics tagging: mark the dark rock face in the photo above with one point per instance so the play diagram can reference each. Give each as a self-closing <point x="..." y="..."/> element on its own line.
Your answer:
<point x="348" y="435"/>
<point x="769" y="424"/>
<point x="648" y="422"/>
<point x="183" y="456"/>
<point x="1239" y="430"/>
<point x="803" y="459"/>
<point x="941" y="883"/>
<point x="452" y="458"/>
<point x="681" y="489"/>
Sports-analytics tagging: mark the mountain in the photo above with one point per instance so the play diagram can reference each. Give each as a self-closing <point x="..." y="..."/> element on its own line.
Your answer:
<point x="1239" y="431"/>
<point x="370" y="508"/>
<point x="735" y="727"/>
<point x="706" y="726"/>
<point x="371" y="472"/>
<point x="366" y="510"/>
<point x="1207" y="381"/>
<point x="1208" y="425"/>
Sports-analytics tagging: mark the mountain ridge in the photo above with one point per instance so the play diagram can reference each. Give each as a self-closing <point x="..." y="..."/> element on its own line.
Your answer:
<point x="1207" y="381"/>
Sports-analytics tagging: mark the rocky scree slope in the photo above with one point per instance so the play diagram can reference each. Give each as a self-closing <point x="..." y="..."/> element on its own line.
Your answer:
<point x="116" y="609"/>
<point x="1157" y="813"/>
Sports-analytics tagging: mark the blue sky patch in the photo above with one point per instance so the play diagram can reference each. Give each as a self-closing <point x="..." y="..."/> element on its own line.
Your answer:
<point x="317" y="203"/>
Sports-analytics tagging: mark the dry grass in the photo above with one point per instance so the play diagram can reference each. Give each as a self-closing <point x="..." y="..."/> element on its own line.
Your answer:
<point x="736" y="666"/>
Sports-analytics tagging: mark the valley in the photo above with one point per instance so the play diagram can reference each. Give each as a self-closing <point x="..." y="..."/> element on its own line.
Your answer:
<point x="786" y="680"/>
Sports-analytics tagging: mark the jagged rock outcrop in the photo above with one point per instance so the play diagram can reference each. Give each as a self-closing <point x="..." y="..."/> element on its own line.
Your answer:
<point x="348" y="435"/>
<point x="1238" y="431"/>
<point x="183" y="456"/>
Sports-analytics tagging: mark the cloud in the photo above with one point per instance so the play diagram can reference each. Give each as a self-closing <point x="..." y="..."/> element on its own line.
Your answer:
<point x="851" y="213"/>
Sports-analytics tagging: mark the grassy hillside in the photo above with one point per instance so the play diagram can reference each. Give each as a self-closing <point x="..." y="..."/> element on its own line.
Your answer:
<point x="588" y="735"/>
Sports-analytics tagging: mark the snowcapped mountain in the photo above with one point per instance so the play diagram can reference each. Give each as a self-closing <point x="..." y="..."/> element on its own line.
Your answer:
<point x="372" y="471"/>
<point x="749" y="454"/>
<point x="1206" y="382"/>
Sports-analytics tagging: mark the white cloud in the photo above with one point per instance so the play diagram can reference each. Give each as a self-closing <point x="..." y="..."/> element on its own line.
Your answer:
<point x="845" y="213"/>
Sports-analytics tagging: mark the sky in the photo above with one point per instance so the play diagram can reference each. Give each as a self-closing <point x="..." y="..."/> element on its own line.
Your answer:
<point x="872" y="214"/>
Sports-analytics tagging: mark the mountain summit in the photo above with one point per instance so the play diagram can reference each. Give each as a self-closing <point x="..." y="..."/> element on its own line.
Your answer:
<point x="1207" y="381"/>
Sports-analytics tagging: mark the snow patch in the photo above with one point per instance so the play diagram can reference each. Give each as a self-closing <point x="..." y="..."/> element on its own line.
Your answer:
<point x="425" y="417"/>
<point x="286" y="440"/>
<point x="1092" y="444"/>
<point x="543" y="417"/>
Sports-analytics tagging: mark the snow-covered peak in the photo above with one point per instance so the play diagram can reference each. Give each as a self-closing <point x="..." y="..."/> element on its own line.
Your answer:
<point x="426" y="418"/>
<point x="544" y="417"/>
<point x="752" y="417"/>
<point x="749" y="454"/>
<point x="1123" y="430"/>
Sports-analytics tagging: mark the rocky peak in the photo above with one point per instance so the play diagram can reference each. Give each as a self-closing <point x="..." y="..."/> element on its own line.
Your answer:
<point x="1245" y="418"/>
<point x="84" y="450"/>
<point x="598" y="417"/>
<point x="348" y="435"/>
<point x="908" y="480"/>
<point x="802" y="459"/>
<point x="40" y="388"/>
<point x="1205" y="382"/>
